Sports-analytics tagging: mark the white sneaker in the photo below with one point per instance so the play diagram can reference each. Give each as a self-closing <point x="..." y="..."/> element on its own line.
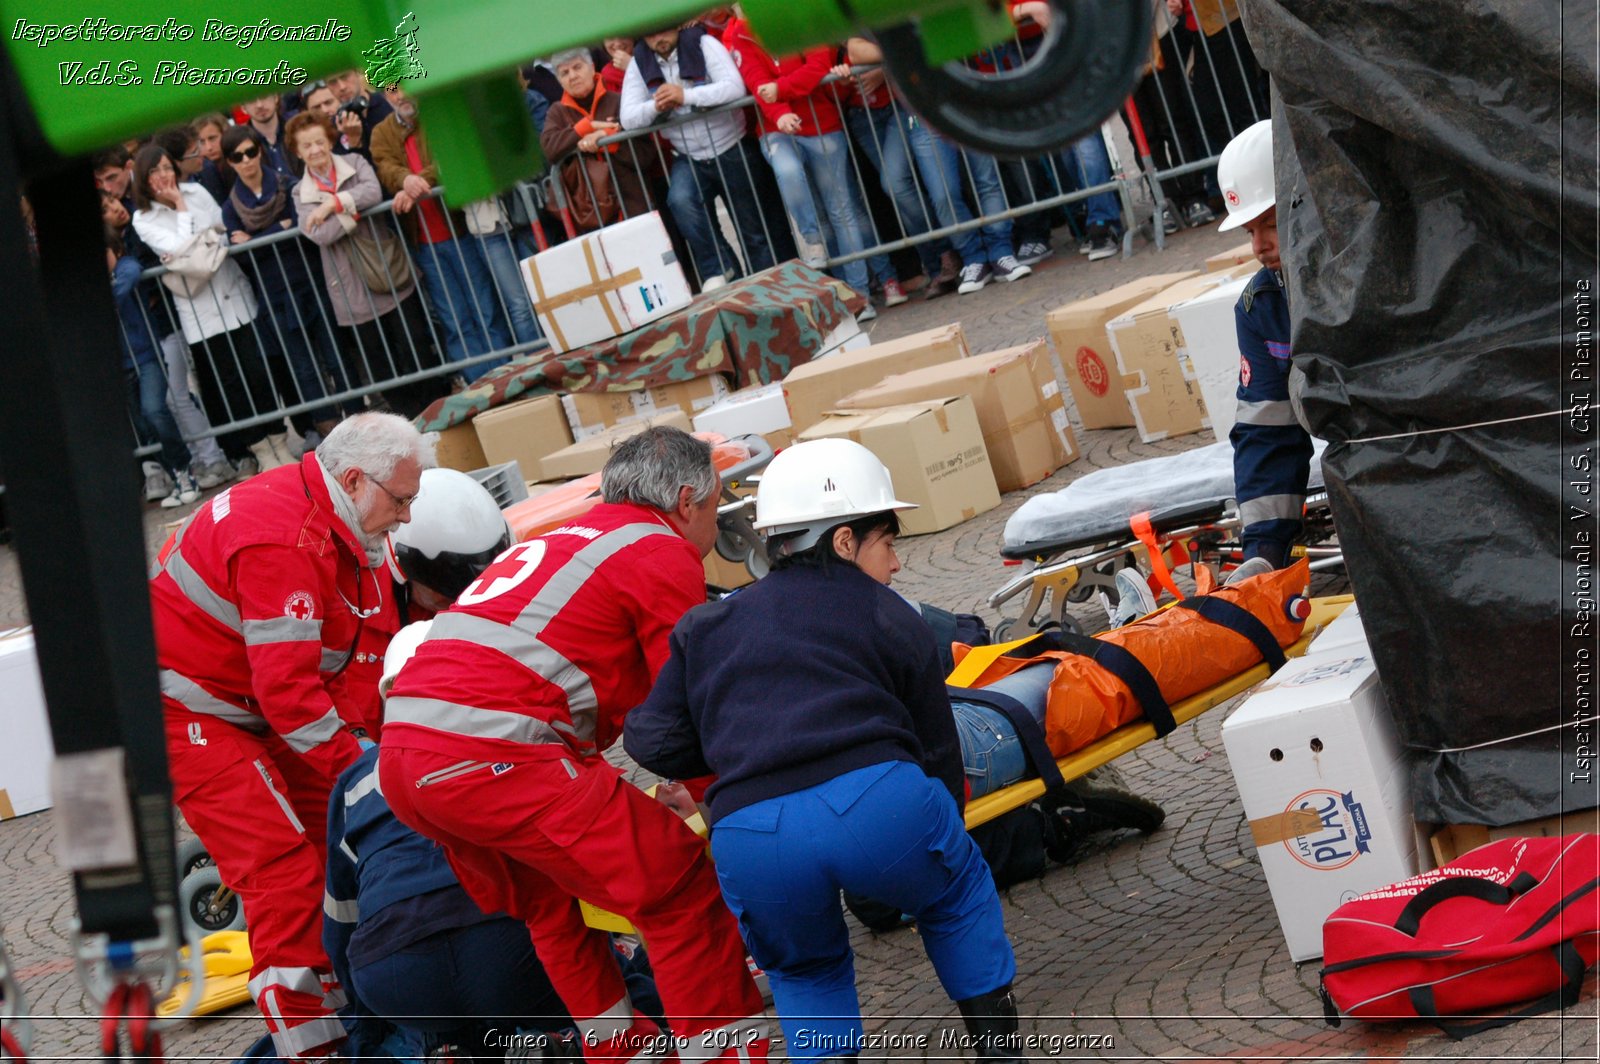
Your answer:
<point x="712" y="283"/>
<point x="210" y="475"/>
<point x="868" y="314"/>
<point x="184" y="492"/>
<point x="1134" y="597"/>
<point x="156" y="482"/>
<point x="1008" y="269"/>
<point x="974" y="278"/>
<point x="1251" y="567"/>
<point x="814" y="255"/>
<point x="247" y="467"/>
<point x="1033" y="253"/>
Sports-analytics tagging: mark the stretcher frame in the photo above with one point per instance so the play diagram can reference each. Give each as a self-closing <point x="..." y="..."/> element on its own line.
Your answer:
<point x="1100" y="752"/>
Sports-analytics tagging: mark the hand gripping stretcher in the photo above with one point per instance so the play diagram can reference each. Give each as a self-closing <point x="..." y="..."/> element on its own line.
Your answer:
<point x="1157" y="515"/>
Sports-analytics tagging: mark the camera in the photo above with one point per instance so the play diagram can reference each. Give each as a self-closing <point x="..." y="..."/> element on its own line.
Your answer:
<point x="357" y="107"/>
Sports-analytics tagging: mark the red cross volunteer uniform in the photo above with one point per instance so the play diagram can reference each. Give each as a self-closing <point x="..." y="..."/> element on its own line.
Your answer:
<point x="492" y="740"/>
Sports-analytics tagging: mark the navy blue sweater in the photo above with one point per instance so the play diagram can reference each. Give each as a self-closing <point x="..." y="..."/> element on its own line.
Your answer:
<point x="806" y="675"/>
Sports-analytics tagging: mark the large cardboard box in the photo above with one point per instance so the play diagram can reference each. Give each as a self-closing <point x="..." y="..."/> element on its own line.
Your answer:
<point x="720" y="572"/>
<point x="589" y="455"/>
<point x="1227" y="260"/>
<point x="589" y="413"/>
<point x="523" y="432"/>
<point x="605" y="283"/>
<point x="760" y="410"/>
<point x="28" y="750"/>
<point x="813" y="388"/>
<point x="935" y="454"/>
<point x="1344" y="635"/>
<point x="1156" y="373"/>
<point x="458" y="448"/>
<point x="1211" y="340"/>
<point x="1086" y="362"/>
<point x="1018" y="401"/>
<point x="1325" y="787"/>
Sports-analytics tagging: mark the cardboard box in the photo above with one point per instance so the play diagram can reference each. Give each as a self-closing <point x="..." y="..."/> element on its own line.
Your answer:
<point x="1344" y="635"/>
<point x="605" y="283"/>
<point x="589" y="413"/>
<point x="28" y="750"/>
<point x="935" y="454"/>
<point x="760" y="410"/>
<point x="589" y="455"/>
<point x="1211" y="341"/>
<point x="1156" y="374"/>
<point x="1018" y="401"/>
<point x="458" y="448"/>
<point x="1227" y="260"/>
<point x="812" y="389"/>
<point x="720" y="572"/>
<point x="523" y="432"/>
<point x="1085" y="359"/>
<point x="1325" y="788"/>
<point x="845" y="336"/>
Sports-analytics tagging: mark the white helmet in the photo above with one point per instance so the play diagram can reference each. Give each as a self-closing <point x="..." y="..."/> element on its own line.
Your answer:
<point x="816" y="485"/>
<point x="455" y="531"/>
<point x="1245" y="173"/>
<point x="401" y="647"/>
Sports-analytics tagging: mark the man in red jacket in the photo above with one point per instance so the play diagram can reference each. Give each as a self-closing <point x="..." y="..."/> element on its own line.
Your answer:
<point x="259" y="602"/>
<point x="492" y="741"/>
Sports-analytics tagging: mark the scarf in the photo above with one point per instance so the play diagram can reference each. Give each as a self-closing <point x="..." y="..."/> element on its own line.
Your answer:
<point x="314" y="192"/>
<point x="691" y="63"/>
<point x="344" y="506"/>
<point x="268" y="208"/>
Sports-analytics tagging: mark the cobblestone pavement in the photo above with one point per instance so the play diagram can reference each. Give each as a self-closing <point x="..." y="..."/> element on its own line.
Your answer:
<point x="1164" y="948"/>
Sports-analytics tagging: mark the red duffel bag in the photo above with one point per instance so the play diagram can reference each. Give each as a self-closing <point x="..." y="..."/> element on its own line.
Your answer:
<point x="1504" y="932"/>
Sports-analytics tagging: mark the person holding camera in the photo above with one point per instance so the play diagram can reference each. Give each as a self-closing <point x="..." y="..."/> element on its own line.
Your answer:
<point x="357" y="113"/>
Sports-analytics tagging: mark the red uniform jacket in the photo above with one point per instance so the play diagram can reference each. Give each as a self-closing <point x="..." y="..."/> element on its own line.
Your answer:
<point x="799" y="78"/>
<point x="553" y="644"/>
<point x="257" y="604"/>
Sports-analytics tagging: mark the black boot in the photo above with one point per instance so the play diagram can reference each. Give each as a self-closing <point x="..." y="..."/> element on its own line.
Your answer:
<point x="991" y="1019"/>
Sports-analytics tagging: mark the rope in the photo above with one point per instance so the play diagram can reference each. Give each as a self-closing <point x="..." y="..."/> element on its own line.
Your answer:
<point x="1455" y="428"/>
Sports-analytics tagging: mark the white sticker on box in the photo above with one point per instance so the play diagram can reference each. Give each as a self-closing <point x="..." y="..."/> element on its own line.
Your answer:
<point x="1049" y="389"/>
<point x="644" y="402"/>
<point x="1058" y="419"/>
<point x="94" y="820"/>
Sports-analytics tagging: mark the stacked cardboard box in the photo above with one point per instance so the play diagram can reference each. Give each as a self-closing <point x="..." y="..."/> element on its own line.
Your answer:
<point x="590" y="413"/>
<point x="523" y="432"/>
<point x="589" y="455"/>
<point x="1225" y="261"/>
<point x="1017" y="399"/>
<point x="1211" y="339"/>
<point x="935" y="454"/>
<point x="812" y="389"/>
<point x="1086" y="362"/>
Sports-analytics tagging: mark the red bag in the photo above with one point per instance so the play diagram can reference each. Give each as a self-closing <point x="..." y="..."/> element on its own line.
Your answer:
<point x="1511" y="925"/>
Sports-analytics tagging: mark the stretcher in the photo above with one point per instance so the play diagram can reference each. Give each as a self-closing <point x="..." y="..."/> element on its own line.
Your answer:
<point x="1101" y="752"/>
<point x="1157" y="515"/>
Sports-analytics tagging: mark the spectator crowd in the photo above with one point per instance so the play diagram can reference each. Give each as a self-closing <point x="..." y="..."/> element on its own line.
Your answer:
<point x="749" y="158"/>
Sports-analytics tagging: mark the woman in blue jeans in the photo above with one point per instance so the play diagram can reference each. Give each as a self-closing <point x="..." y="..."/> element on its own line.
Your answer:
<point x="816" y="698"/>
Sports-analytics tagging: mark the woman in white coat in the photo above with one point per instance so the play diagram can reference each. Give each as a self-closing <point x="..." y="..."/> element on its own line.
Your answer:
<point x="217" y="315"/>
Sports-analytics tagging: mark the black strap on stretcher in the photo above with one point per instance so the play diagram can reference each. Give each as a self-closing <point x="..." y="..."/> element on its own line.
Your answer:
<point x="1114" y="659"/>
<point x="1028" y="729"/>
<point x="1236" y="618"/>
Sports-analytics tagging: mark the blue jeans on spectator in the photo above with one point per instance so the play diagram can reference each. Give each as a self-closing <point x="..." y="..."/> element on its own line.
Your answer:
<point x="692" y="195"/>
<point x="818" y="168"/>
<point x="503" y="266"/>
<point x="941" y="165"/>
<point x="152" y="418"/>
<point x="1090" y="164"/>
<point x="880" y="138"/>
<point x="462" y="292"/>
<point x="287" y="332"/>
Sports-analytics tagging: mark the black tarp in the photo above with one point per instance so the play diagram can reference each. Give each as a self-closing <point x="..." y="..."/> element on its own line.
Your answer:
<point x="1436" y="177"/>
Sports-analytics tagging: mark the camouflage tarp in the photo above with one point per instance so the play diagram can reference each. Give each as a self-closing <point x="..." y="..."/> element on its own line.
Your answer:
<point x="753" y="331"/>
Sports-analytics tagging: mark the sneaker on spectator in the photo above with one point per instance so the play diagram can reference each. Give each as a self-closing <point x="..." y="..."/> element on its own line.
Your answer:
<point x="870" y="313"/>
<point x="1086" y="245"/>
<point x="184" y="492"/>
<point x="975" y="278"/>
<point x="893" y="294"/>
<point x="712" y="283"/>
<point x="214" y="474"/>
<point x="1199" y="213"/>
<point x="1102" y="242"/>
<point x="157" y="484"/>
<point x="1169" y="219"/>
<point x="247" y="467"/>
<point x="1033" y="252"/>
<point x="814" y="255"/>
<point x="1134" y="597"/>
<point x="1008" y="269"/>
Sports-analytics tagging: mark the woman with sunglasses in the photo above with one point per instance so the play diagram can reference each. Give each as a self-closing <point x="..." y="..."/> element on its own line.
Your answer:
<point x="259" y="206"/>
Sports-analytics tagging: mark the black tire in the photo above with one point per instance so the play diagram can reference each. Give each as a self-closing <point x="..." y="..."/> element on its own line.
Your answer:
<point x="208" y="906"/>
<point x="1003" y="630"/>
<point x="192" y="854"/>
<point x="1085" y="68"/>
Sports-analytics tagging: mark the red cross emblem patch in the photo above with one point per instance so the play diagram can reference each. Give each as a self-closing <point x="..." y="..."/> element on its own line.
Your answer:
<point x="300" y="605"/>
<point x="1232" y="197"/>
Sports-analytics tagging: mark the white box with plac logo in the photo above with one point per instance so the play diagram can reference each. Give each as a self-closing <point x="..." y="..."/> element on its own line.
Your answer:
<point x="1325" y="788"/>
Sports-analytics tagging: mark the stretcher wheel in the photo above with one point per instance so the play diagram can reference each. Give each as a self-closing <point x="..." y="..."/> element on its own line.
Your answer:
<point x="1003" y="632"/>
<point x="1084" y="69"/>
<point x="192" y="854"/>
<point x="207" y="904"/>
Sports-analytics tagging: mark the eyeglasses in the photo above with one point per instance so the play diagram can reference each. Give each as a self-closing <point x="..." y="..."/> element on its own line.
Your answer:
<point x="400" y="501"/>
<point x="313" y="86"/>
<point x="193" y="153"/>
<point x="242" y="154"/>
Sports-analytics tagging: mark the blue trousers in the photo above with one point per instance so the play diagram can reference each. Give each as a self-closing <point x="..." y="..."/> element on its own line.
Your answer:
<point x="941" y="165"/>
<point x="991" y="753"/>
<point x="152" y="418"/>
<point x="879" y="136"/>
<point x="813" y="169"/>
<point x="464" y="301"/>
<point x="888" y="832"/>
